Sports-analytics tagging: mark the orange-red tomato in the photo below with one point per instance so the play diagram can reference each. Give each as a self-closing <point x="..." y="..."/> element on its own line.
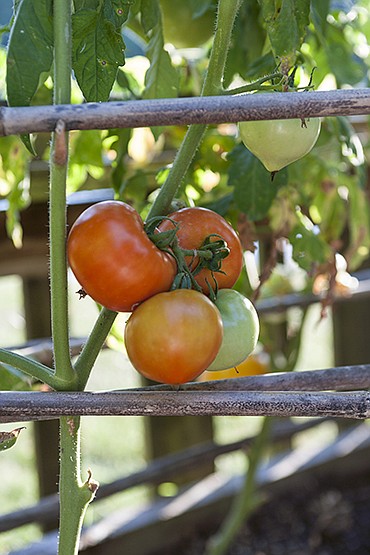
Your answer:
<point x="173" y="337"/>
<point x="114" y="260"/>
<point x="195" y="224"/>
<point x="251" y="366"/>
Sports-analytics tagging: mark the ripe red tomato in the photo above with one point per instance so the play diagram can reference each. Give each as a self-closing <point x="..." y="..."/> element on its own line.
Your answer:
<point x="241" y="329"/>
<point x="195" y="224"/>
<point x="114" y="260"/>
<point x="173" y="337"/>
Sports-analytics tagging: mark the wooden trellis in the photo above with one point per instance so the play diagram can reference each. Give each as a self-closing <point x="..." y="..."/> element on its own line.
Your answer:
<point x="185" y="111"/>
<point x="339" y="392"/>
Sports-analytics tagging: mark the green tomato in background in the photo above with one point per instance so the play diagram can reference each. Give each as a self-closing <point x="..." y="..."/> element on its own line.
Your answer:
<point x="181" y="29"/>
<point x="241" y="329"/>
<point x="277" y="143"/>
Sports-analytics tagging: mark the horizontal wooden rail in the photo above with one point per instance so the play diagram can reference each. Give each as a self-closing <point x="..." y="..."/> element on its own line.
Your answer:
<point x="185" y="111"/>
<point x="340" y="378"/>
<point x="284" y="302"/>
<point x="25" y="406"/>
<point x="306" y="393"/>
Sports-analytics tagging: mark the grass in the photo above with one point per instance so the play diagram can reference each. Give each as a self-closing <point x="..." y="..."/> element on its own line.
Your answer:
<point x="113" y="446"/>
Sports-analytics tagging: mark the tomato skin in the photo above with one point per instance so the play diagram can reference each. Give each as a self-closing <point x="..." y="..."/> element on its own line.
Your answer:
<point x="195" y="224"/>
<point x="241" y="329"/>
<point x="173" y="337"/>
<point x="277" y="143"/>
<point x="114" y="260"/>
<point x="179" y="27"/>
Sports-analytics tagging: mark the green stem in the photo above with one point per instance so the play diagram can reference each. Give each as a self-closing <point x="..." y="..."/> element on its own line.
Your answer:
<point x="227" y="10"/>
<point x="32" y="368"/>
<point x="57" y="210"/>
<point x="246" y="500"/>
<point x="93" y="345"/>
<point x="74" y="494"/>
<point x="256" y="85"/>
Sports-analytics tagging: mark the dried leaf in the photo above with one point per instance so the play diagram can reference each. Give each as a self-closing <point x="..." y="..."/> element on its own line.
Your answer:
<point x="8" y="439"/>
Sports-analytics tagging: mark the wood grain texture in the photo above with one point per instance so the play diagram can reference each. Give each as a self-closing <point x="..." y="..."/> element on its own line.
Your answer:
<point x="185" y="111"/>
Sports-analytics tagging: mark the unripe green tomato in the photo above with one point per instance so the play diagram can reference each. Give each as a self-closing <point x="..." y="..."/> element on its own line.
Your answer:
<point x="179" y="27"/>
<point x="277" y="143"/>
<point x="241" y="329"/>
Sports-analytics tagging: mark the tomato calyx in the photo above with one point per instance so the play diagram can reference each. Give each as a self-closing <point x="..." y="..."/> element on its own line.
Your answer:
<point x="208" y="256"/>
<point x="162" y="239"/>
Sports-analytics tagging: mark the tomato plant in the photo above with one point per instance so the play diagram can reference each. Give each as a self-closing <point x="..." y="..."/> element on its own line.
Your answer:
<point x="173" y="337"/>
<point x="278" y="143"/>
<point x="114" y="260"/>
<point x="314" y="205"/>
<point x="195" y="225"/>
<point x="182" y="28"/>
<point x="241" y="329"/>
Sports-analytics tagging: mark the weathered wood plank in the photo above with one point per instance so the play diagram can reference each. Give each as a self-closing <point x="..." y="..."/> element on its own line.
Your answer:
<point x="180" y="111"/>
<point x="24" y="406"/>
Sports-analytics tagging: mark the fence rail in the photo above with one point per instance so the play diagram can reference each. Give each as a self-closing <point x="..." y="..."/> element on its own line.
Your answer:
<point x="185" y="111"/>
<point x="20" y="406"/>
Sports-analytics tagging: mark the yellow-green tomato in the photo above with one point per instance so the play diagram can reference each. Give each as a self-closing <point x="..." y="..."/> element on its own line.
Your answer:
<point x="183" y="30"/>
<point x="241" y="329"/>
<point x="277" y="143"/>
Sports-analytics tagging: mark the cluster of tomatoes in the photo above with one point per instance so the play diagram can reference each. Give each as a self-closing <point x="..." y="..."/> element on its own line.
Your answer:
<point x="172" y="334"/>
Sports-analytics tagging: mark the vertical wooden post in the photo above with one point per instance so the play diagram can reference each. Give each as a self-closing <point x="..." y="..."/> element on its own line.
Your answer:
<point x="168" y="434"/>
<point x="37" y="312"/>
<point x="351" y="322"/>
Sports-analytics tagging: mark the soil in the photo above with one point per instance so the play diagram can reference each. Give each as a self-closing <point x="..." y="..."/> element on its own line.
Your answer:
<point x="317" y="518"/>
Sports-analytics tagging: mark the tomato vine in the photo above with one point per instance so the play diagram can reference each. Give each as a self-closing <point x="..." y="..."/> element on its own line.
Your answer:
<point x="308" y="205"/>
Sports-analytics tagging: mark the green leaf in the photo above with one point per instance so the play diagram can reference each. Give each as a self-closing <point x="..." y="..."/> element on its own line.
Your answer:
<point x="87" y="148"/>
<point x="161" y="79"/>
<point x="136" y="7"/>
<point x="8" y="439"/>
<point x="117" y="11"/>
<point x="30" y="50"/>
<point x="134" y="190"/>
<point x="247" y="42"/>
<point x="128" y="83"/>
<point x="119" y="166"/>
<point x="254" y="190"/>
<point x="359" y="224"/>
<point x="30" y="54"/>
<point x="319" y="13"/>
<point x="309" y="247"/>
<point x="98" y="47"/>
<point x="286" y="22"/>
<point x="347" y="67"/>
<point x="12" y="379"/>
<point x="261" y="66"/>
<point x="150" y="14"/>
